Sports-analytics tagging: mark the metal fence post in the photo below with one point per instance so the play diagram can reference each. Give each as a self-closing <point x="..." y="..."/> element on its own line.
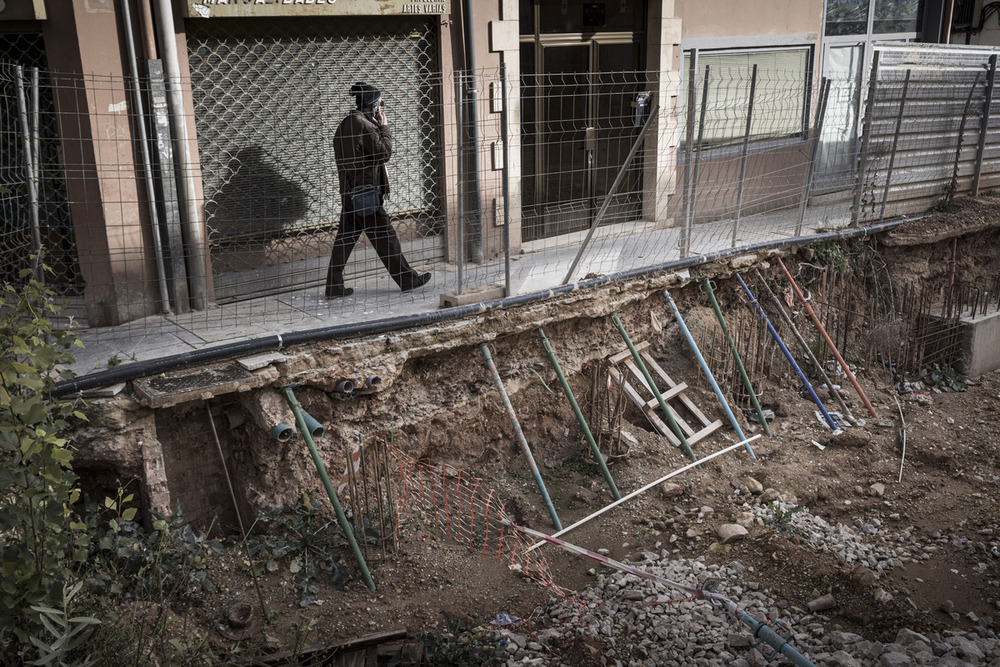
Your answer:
<point x="984" y="124"/>
<point x="824" y="96"/>
<point x="460" y="204"/>
<point x="744" y="152"/>
<point x="689" y="150"/>
<point x="866" y="135"/>
<point x="689" y="222"/>
<point x="895" y="143"/>
<point x="29" y="171"/>
<point x="505" y="139"/>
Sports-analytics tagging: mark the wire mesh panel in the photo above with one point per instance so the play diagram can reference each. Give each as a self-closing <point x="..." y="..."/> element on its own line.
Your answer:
<point x="931" y="129"/>
<point x="33" y="201"/>
<point x="268" y="99"/>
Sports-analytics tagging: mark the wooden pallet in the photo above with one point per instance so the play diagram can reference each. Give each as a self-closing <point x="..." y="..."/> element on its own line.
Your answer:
<point x="650" y="406"/>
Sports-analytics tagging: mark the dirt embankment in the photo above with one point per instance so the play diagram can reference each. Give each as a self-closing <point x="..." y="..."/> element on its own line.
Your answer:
<point x="438" y="401"/>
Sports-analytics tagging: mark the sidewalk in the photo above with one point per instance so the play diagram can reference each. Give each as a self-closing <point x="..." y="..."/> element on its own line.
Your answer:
<point x="611" y="250"/>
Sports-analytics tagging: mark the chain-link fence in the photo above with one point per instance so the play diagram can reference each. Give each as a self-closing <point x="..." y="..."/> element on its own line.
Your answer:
<point x="528" y="183"/>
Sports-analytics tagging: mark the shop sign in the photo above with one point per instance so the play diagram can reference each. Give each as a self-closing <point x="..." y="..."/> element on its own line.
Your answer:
<point x="217" y="8"/>
<point x="22" y="10"/>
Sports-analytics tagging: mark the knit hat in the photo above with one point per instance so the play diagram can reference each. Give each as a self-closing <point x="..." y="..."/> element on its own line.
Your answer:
<point x="365" y="94"/>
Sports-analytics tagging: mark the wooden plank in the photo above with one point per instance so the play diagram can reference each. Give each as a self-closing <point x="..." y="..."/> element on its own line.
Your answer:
<point x="708" y="430"/>
<point x="667" y="395"/>
<point x="639" y="347"/>
<point x="688" y="403"/>
<point x="639" y="402"/>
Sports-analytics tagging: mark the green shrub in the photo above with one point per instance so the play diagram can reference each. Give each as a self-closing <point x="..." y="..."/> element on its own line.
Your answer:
<point x="37" y="484"/>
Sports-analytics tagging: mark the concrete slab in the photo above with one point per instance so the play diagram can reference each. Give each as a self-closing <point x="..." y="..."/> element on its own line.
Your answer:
<point x="475" y="295"/>
<point x="979" y="338"/>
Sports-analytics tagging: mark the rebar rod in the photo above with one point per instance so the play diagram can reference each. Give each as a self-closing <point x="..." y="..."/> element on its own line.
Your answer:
<point x="762" y="631"/>
<point x="341" y="517"/>
<point x="707" y="286"/>
<point x="674" y="426"/>
<point x="485" y="349"/>
<point x="708" y="372"/>
<point x="579" y="415"/>
<point x="236" y="508"/>
<point x="953" y="187"/>
<point x="788" y="355"/>
<point x="895" y="144"/>
<point x="804" y="345"/>
<point x="833" y="348"/>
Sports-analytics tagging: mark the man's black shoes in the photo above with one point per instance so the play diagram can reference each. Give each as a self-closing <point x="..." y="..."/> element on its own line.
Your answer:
<point x="419" y="281"/>
<point x="337" y="292"/>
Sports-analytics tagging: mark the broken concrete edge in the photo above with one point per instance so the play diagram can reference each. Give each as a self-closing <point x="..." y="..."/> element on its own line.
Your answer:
<point x="148" y="395"/>
<point x="278" y="342"/>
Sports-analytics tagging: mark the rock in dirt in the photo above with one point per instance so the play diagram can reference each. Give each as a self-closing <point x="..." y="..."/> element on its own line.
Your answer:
<point x="877" y="490"/>
<point x="671" y="490"/>
<point x="883" y="596"/>
<point x="852" y="438"/>
<point x="768" y="496"/>
<point x="753" y="486"/>
<point x="732" y="532"/>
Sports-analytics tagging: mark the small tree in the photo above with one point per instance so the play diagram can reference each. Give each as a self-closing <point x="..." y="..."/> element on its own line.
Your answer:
<point x="37" y="483"/>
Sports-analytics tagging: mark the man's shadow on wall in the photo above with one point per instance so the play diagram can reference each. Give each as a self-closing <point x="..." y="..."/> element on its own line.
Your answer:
<point x="256" y="199"/>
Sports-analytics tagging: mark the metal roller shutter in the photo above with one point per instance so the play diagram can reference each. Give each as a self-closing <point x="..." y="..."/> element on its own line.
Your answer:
<point x="268" y="97"/>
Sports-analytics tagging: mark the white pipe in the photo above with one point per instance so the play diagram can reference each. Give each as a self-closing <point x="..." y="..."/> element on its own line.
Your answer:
<point x="646" y="488"/>
<point x="175" y="100"/>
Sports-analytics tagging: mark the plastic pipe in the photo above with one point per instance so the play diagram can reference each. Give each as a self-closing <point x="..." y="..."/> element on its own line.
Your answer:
<point x="316" y="430"/>
<point x="707" y="286"/>
<point x="344" y="387"/>
<point x="652" y="387"/>
<point x="279" y="341"/>
<point x="281" y="432"/>
<point x="579" y="415"/>
<point x="787" y="319"/>
<point x="763" y="632"/>
<point x="192" y="228"/>
<point x="708" y="372"/>
<point x="485" y="349"/>
<point x="788" y="355"/>
<point x="147" y="162"/>
<point x="373" y="382"/>
<point x="341" y="517"/>
<point x="826" y="337"/>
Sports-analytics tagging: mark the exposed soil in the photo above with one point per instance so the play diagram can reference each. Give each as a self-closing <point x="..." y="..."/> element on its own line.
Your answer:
<point x="449" y="411"/>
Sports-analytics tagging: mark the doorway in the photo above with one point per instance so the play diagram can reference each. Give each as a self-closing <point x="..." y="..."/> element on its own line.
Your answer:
<point x="577" y="90"/>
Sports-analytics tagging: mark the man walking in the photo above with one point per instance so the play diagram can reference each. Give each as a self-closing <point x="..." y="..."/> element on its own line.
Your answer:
<point x="363" y="144"/>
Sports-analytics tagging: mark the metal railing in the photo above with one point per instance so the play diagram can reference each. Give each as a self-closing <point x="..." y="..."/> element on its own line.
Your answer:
<point x="596" y="179"/>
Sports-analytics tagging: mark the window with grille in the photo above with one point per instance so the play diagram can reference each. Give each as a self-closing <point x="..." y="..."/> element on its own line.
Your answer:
<point x="779" y="102"/>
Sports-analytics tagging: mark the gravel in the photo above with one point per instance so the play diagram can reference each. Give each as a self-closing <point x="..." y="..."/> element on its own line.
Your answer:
<point x="642" y="623"/>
